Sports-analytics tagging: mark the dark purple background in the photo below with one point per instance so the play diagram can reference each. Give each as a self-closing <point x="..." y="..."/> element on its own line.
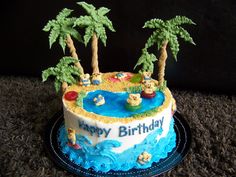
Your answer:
<point x="209" y="66"/>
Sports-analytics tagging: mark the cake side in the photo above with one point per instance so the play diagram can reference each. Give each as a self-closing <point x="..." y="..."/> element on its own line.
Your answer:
<point x="98" y="130"/>
<point x="111" y="140"/>
<point x="102" y="157"/>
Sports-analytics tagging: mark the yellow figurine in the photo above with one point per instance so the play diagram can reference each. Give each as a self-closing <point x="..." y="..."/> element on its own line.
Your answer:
<point x="146" y="76"/>
<point x="148" y="90"/>
<point x="144" y="158"/>
<point x="134" y="99"/>
<point x="72" y="139"/>
<point x="149" y="87"/>
<point x="85" y="80"/>
<point x="96" y="78"/>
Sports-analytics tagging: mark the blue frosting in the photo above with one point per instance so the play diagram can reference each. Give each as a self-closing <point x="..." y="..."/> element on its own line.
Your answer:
<point x="115" y="103"/>
<point x="101" y="157"/>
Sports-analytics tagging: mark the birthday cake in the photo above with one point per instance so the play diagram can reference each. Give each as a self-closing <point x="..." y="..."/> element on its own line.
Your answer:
<point x="116" y="120"/>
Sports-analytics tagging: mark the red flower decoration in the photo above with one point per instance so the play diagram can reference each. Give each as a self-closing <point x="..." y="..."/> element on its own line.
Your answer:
<point x="71" y="95"/>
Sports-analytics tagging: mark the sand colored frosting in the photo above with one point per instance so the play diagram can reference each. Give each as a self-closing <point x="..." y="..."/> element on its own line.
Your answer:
<point x="108" y="85"/>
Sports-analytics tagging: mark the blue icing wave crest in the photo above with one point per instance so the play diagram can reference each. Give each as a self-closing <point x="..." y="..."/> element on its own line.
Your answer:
<point x="101" y="157"/>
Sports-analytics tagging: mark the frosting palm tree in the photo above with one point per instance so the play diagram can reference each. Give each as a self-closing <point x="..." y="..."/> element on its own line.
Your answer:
<point x="146" y="60"/>
<point x="62" y="28"/>
<point x="95" y="23"/>
<point x="64" y="73"/>
<point x="166" y="34"/>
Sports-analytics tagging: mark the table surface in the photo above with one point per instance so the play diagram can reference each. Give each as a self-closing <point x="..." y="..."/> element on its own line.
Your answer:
<point x="27" y="104"/>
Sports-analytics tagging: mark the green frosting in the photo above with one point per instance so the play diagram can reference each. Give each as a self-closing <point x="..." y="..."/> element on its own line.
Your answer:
<point x="79" y="100"/>
<point x="134" y="89"/>
<point x="146" y="60"/>
<point x="168" y="30"/>
<point x="95" y="22"/>
<point x="61" y="27"/>
<point x="63" y="72"/>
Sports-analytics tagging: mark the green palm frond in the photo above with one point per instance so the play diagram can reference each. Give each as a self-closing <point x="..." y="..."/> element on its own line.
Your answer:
<point x="69" y="21"/>
<point x="61" y="28"/>
<point x="54" y="33"/>
<point x="75" y="34"/>
<point x="83" y="21"/>
<point x="65" y="61"/>
<point x="48" y="72"/>
<point x="146" y="60"/>
<point x="88" y="34"/>
<point x="63" y="14"/>
<point x="154" y="23"/>
<point x="101" y="32"/>
<point x="62" y="42"/>
<point x="65" y="71"/>
<point x="49" y="25"/>
<point x="168" y="31"/>
<point x="179" y="20"/>
<point x="57" y="85"/>
<point x="107" y="23"/>
<point x="184" y="35"/>
<point x="174" y="46"/>
<point x="157" y="37"/>
<point x="103" y="11"/>
<point x="89" y="8"/>
<point x="94" y="22"/>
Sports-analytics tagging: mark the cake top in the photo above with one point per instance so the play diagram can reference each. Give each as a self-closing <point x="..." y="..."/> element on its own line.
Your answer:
<point x="115" y="93"/>
<point x="137" y="88"/>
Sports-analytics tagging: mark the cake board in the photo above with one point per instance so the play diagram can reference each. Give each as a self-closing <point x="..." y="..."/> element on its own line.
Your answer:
<point x="183" y="142"/>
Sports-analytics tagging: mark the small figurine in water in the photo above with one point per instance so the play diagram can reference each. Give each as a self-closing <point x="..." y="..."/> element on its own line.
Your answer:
<point x="144" y="158"/>
<point x="120" y="76"/>
<point x="72" y="139"/>
<point x="99" y="100"/>
<point x="96" y="78"/>
<point x="134" y="99"/>
<point x="148" y="90"/>
<point x="84" y="80"/>
<point x="146" y="76"/>
<point x="148" y="87"/>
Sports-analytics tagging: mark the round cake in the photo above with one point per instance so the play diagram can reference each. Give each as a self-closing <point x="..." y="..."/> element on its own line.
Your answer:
<point x="103" y="133"/>
<point x="114" y="121"/>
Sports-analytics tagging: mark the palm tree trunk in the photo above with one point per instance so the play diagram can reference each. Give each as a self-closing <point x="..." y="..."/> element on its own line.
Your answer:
<point x="162" y="63"/>
<point x="70" y="45"/>
<point x="94" y="46"/>
<point x="64" y="85"/>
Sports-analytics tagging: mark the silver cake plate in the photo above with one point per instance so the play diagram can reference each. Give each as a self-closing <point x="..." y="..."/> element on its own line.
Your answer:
<point x="183" y="141"/>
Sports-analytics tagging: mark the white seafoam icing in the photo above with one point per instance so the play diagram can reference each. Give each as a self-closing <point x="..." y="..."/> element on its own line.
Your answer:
<point x="72" y="119"/>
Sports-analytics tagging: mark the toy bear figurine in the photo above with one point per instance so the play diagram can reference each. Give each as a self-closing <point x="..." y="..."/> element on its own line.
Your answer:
<point x="148" y="87"/>
<point x="144" y="158"/>
<point x="72" y="139"/>
<point x="96" y="78"/>
<point x="148" y="90"/>
<point x="85" y="80"/>
<point x="146" y="76"/>
<point x="133" y="102"/>
<point x="134" y="99"/>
